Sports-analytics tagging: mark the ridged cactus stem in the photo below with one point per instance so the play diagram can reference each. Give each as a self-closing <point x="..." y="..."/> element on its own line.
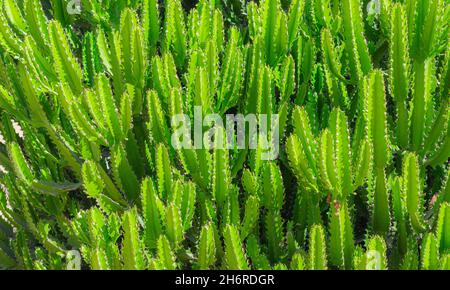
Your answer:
<point x="418" y="113"/>
<point x="402" y="124"/>
<point x="399" y="73"/>
<point x="381" y="218"/>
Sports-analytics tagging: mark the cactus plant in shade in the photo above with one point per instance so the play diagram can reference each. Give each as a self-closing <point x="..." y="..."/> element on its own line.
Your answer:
<point x="88" y="163"/>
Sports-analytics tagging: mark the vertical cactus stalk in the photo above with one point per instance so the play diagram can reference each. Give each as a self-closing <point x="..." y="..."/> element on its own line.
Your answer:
<point x="151" y="24"/>
<point x="399" y="213"/>
<point x="355" y="42"/>
<point x="375" y="117"/>
<point x="443" y="228"/>
<point x="150" y="210"/>
<point x="381" y="215"/>
<point x="132" y="250"/>
<point x="399" y="63"/>
<point x="420" y="101"/>
<point x="317" y="249"/>
<point x="430" y="253"/>
<point x="206" y="248"/>
<point x="235" y="258"/>
<point x="341" y="237"/>
<point x="376" y="254"/>
<point x="413" y="191"/>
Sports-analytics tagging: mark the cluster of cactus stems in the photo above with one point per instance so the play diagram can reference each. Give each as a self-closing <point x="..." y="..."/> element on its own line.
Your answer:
<point x="87" y="162"/>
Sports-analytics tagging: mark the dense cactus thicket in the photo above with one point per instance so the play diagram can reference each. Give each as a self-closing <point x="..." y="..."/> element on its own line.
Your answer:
<point x="88" y="166"/>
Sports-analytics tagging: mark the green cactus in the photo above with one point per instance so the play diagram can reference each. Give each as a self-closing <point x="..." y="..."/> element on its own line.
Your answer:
<point x="88" y="160"/>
